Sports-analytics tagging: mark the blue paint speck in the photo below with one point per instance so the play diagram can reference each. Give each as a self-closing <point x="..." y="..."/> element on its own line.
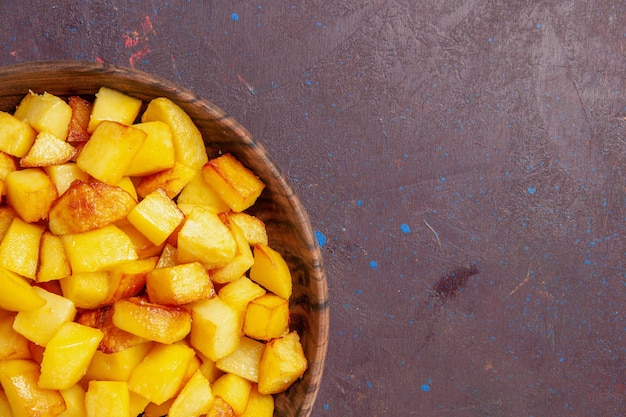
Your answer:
<point x="369" y="384"/>
<point x="373" y="264"/>
<point x="307" y="82"/>
<point x="538" y="26"/>
<point x="425" y="387"/>
<point x="587" y="262"/>
<point x="443" y="179"/>
<point x="532" y="190"/>
<point x="405" y="228"/>
<point x="359" y="203"/>
<point x="326" y="406"/>
<point x="321" y="238"/>
<point x="234" y="17"/>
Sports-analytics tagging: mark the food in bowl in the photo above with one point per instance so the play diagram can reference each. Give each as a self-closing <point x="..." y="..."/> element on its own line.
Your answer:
<point x="132" y="276"/>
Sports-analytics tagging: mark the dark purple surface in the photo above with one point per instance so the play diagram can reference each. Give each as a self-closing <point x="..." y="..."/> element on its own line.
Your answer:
<point x="424" y="138"/>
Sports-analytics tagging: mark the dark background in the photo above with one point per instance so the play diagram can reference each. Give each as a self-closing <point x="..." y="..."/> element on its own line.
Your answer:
<point x="425" y="139"/>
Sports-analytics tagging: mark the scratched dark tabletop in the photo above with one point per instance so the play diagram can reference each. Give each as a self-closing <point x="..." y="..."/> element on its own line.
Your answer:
<point x="463" y="164"/>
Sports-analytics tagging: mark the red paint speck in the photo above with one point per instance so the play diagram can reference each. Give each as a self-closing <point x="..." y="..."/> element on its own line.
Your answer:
<point x="138" y="41"/>
<point x="147" y="25"/>
<point x="131" y="39"/>
<point x="137" y="55"/>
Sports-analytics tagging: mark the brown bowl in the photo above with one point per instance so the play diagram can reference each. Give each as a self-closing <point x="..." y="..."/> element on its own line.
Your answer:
<point x="286" y="220"/>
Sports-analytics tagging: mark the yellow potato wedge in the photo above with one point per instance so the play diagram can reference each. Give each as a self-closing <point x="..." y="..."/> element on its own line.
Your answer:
<point x="188" y="143"/>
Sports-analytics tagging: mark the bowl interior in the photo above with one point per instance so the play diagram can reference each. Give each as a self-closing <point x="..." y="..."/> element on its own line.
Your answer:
<point x="286" y="220"/>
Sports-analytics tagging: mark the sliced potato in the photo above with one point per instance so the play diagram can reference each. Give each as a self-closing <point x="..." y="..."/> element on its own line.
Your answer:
<point x="151" y="321"/>
<point x="89" y="206"/>
<point x="31" y="193"/>
<point x="46" y="151"/>
<point x="79" y="122"/>
<point x="45" y="112"/>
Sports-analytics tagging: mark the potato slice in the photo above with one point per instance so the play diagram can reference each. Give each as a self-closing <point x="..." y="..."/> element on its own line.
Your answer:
<point x="156" y="216"/>
<point x="179" y="284"/>
<point x="16" y="294"/>
<point x="215" y="328"/>
<point x="112" y="396"/>
<point x="113" y="105"/>
<point x="16" y="136"/>
<point x="271" y="271"/>
<point x="267" y="317"/>
<point x="31" y="193"/>
<point x="151" y="321"/>
<point x="197" y="191"/>
<point x="194" y="399"/>
<point x="40" y="325"/>
<point x="64" y="175"/>
<point x="168" y="257"/>
<point x="242" y="261"/>
<point x="107" y="154"/>
<point x="156" y="153"/>
<point x="46" y="151"/>
<point x="79" y="122"/>
<point x="19" y="247"/>
<point x="234" y="389"/>
<point x="253" y="228"/>
<point x="67" y="355"/>
<point x="98" y="250"/>
<point x="204" y="238"/>
<point x="160" y="375"/>
<point x="19" y="379"/>
<point x="235" y="184"/>
<point x="87" y="290"/>
<point x="243" y="361"/>
<point x="53" y="263"/>
<point x="45" y="112"/>
<point x="259" y="405"/>
<point x="117" y="366"/>
<point x="89" y="206"/>
<point x="188" y="143"/>
<point x="240" y="292"/>
<point x="282" y="363"/>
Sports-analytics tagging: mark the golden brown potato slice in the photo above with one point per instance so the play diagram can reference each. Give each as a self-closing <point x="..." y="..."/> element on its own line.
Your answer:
<point x="81" y="110"/>
<point x="163" y="324"/>
<point x="89" y="206"/>
<point x="47" y="150"/>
